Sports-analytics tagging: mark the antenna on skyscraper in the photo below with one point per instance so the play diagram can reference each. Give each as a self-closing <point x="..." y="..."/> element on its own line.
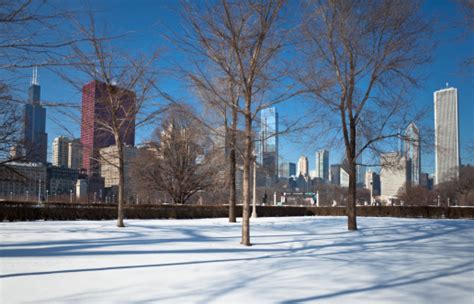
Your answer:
<point x="34" y="78"/>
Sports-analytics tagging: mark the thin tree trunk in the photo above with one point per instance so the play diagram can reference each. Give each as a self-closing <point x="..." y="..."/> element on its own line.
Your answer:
<point x="246" y="179"/>
<point x="232" y="190"/>
<point x="232" y="169"/>
<point x="121" y="185"/>
<point x="351" y="203"/>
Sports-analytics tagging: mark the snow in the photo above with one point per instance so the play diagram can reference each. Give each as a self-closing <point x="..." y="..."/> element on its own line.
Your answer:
<point x="298" y="259"/>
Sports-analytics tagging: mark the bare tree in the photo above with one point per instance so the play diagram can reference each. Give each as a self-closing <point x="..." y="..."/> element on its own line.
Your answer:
<point x="9" y="125"/>
<point x="415" y="195"/>
<point x="179" y="159"/>
<point x="466" y="8"/>
<point x="126" y="87"/>
<point x="239" y="42"/>
<point x="458" y="191"/>
<point x="359" y="61"/>
<point x="221" y="95"/>
<point x="214" y="82"/>
<point x="31" y="34"/>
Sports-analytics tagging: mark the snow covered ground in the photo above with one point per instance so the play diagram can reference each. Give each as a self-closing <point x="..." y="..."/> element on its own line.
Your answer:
<point x="302" y="260"/>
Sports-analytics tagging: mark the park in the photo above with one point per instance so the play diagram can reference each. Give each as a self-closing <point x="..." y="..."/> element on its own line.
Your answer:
<point x="291" y="260"/>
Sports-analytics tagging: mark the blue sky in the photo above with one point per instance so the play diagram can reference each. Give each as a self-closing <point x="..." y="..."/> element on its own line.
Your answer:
<point x="145" y="21"/>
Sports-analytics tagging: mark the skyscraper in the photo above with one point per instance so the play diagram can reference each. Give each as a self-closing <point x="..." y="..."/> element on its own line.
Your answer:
<point x="97" y="118"/>
<point x="446" y="135"/>
<point x="109" y="163"/>
<point x="303" y="166"/>
<point x="35" y="139"/>
<point x="60" y="151"/>
<point x="343" y="178"/>
<point x="372" y="182"/>
<point x="75" y="154"/>
<point x="393" y="174"/>
<point x="336" y="174"/>
<point x="360" y="178"/>
<point x="269" y="141"/>
<point x="411" y="149"/>
<point x="287" y="170"/>
<point x="322" y="164"/>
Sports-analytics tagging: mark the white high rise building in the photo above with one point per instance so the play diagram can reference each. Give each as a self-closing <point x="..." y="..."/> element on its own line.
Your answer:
<point x="75" y="154"/>
<point x="344" y="178"/>
<point x="322" y="164"/>
<point x="393" y="174"/>
<point x="446" y="135"/>
<point x="303" y="166"/>
<point x="60" y="151"/>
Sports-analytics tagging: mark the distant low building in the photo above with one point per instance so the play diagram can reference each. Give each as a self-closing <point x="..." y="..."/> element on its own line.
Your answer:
<point x="23" y="180"/>
<point x="61" y="180"/>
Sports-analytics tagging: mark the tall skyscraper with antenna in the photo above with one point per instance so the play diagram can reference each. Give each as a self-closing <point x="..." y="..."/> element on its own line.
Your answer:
<point x="35" y="138"/>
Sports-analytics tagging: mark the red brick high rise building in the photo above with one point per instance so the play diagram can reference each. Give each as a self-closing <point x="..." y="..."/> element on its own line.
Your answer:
<point x="97" y="116"/>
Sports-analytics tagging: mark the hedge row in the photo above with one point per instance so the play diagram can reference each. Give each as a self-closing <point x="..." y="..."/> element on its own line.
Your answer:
<point x="19" y="211"/>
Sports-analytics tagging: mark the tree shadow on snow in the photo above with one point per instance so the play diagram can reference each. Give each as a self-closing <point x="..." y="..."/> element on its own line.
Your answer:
<point x="409" y="236"/>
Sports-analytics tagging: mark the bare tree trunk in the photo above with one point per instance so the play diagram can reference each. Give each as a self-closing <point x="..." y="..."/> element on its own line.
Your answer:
<point x="351" y="203"/>
<point x="232" y="186"/>
<point x="121" y="185"/>
<point x="232" y="169"/>
<point x="246" y="179"/>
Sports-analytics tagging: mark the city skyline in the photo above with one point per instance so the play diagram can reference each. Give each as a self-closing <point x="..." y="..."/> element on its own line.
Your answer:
<point x="445" y="67"/>
<point x="410" y="147"/>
